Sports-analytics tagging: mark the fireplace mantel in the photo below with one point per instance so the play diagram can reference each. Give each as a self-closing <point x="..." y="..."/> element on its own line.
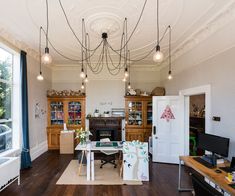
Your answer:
<point x="97" y="124"/>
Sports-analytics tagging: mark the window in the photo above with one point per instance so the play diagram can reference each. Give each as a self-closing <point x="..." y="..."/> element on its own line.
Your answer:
<point x="6" y="83"/>
<point x="9" y="99"/>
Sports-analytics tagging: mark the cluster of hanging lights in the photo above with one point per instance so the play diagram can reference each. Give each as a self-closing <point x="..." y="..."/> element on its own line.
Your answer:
<point x="105" y="49"/>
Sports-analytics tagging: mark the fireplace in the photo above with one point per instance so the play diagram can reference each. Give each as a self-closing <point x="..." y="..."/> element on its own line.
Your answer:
<point x="107" y="133"/>
<point x="105" y="127"/>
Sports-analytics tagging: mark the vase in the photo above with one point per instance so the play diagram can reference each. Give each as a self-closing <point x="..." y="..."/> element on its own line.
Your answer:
<point x="82" y="141"/>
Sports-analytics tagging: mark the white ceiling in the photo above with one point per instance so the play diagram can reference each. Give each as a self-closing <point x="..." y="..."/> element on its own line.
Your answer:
<point x="22" y="20"/>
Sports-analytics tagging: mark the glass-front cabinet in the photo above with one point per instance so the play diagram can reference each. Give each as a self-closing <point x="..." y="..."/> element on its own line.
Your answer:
<point x="57" y="112"/>
<point x="69" y="110"/>
<point x="135" y="114"/>
<point x="149" y="115"/>
<point x="74" y="113"/>
<point x="138" y="117"/>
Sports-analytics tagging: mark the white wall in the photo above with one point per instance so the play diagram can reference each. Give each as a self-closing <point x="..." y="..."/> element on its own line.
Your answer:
<point x="104" y="95"/>
<point x="219" y="72"/>
<point x="37" y="94"/>
<point x="145" y="80"/>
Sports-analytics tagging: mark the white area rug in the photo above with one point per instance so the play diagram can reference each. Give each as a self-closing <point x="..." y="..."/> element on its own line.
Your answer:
<point x="105" y="176"/>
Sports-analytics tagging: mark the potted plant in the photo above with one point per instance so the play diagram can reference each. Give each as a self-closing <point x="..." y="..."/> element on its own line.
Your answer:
<point x="106" y="114"/>
<point x="82" y="135"/>
<point x="96" y="113"/>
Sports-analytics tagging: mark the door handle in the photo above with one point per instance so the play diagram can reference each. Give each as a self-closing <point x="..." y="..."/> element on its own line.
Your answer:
<point x="154" y="130"/>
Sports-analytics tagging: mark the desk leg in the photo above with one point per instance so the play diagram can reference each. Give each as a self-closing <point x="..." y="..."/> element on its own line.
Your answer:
<point x="179" y="181"/>
<point x="88" y="169"/>
<point x="18" y="180"/>
<point x="92" y="166"/>
<point x="80" y="164"/>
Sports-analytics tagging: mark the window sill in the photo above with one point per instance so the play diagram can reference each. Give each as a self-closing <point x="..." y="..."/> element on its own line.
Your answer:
<point x="11" y="152"/>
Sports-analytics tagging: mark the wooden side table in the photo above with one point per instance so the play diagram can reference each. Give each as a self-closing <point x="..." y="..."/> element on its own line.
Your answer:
<point x="66" y="142"/>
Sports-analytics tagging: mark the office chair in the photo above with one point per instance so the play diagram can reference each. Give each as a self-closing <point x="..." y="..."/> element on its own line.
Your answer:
<point x="202" y="188"/>
<point x="110" y="155"/>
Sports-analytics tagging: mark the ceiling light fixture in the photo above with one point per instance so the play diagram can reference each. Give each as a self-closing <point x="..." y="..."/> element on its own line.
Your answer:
<point x="40" y="76"/>
<point x="83" y="86"/>
<point x="46" y="57"/>
<point x="158" y="55"/>
<point x="129" y="74"/>
<point x="104" y="50"/>
<point x="86" y="79"/>
<point x="169" y="72"/>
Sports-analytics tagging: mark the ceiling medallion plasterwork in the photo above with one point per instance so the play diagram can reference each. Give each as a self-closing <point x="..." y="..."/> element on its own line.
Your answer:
<point x="210" y="27"/>
<point x="104" y="22"/>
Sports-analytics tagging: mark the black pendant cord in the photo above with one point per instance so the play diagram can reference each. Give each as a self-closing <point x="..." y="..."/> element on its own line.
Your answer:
<point x="129" y="66"/>
<point x="72" y="30"/>
<point x="66" y="57"/>
<point x="94" y="50"/>
<point x="169" y="27"/>
<point x="105" y="57"/>
<point x="39" y="49"/>
<point x="70" y="27"/>
<point x="126" y="52"/>
<point x="147" y="54"/>
<point x="47" y="27"/>
<point x="158" y="41"/>
<point x="133" y="31"/>
<point x="82" y="43"/>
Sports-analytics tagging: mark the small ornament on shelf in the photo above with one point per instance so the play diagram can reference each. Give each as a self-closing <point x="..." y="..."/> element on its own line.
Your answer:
<point x="64" y="93"/>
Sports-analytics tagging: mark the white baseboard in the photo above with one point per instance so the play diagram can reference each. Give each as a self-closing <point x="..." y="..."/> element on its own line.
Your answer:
<point x="38" y="150"/>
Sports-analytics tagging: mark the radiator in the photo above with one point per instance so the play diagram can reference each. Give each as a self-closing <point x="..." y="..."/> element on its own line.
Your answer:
<point x="9" y="171"/>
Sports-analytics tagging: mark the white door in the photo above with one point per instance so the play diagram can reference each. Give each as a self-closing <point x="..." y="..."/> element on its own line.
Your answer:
<point x="168" y="129"/>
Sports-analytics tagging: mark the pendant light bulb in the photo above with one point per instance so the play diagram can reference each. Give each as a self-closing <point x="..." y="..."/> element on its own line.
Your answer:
<point x="124" y="79"/>
<point x="46" y="57"/>
<point x="126" y="73"/>
<point x="129" y="85"/>
<point x="86" y="79"/>
<point x="82" y="87"/>
<point x="158" y="55"/>
<point x="40" y="77"/>
<point x="82" y="74"/>
<point x="169" y="75"/>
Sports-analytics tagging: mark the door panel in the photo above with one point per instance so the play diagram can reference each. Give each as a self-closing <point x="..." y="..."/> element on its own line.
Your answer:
<point x="168" y="141"/>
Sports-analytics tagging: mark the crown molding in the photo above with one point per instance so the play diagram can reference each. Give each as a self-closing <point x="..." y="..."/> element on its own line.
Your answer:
<point x="214" y="24"/>
<point x="134" y="67"/>
<point x="17" y="44"/>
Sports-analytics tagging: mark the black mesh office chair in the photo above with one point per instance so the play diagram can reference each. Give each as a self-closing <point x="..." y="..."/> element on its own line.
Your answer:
<point x="110" y="155"/>
<point x="202" y="188"/>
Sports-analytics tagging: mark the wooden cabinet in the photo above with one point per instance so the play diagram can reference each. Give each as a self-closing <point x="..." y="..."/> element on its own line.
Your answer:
<point x="138" y="110"/>
<point x="69" y="110"/>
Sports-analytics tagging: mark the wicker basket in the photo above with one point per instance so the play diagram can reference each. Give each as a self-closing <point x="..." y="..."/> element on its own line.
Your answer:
<point x="158" y="91"/>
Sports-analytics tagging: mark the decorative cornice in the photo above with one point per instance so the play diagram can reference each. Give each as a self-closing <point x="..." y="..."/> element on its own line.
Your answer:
<point x="18" y="44"/>
<point x="135" y="67"/>
<point x="219" y="20"/>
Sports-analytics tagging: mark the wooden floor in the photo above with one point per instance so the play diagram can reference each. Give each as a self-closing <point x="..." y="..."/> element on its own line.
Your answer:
<point x="41" y="180"/>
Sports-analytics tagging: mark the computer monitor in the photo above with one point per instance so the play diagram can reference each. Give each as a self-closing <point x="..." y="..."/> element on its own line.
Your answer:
<point x="215" y="144"/>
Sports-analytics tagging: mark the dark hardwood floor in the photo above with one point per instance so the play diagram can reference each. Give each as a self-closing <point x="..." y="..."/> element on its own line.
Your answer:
<point x="41" y="180"/>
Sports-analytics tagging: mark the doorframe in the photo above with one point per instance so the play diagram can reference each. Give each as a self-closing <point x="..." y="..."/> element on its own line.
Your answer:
<point x="186" y="93"/>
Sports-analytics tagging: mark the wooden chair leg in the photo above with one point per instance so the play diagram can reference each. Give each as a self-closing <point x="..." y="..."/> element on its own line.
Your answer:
<point x="80" y="164"/>
<point x="121" y="169"/>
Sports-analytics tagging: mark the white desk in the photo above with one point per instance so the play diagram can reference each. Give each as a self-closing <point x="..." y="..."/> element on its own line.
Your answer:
<point x="90" y="147"/>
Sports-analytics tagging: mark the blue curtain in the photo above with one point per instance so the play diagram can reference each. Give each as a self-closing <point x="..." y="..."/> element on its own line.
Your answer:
<point x="25" y="155"/>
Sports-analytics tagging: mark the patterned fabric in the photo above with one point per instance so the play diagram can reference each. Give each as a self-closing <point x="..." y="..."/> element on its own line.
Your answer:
<point x="167" y="114"/>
